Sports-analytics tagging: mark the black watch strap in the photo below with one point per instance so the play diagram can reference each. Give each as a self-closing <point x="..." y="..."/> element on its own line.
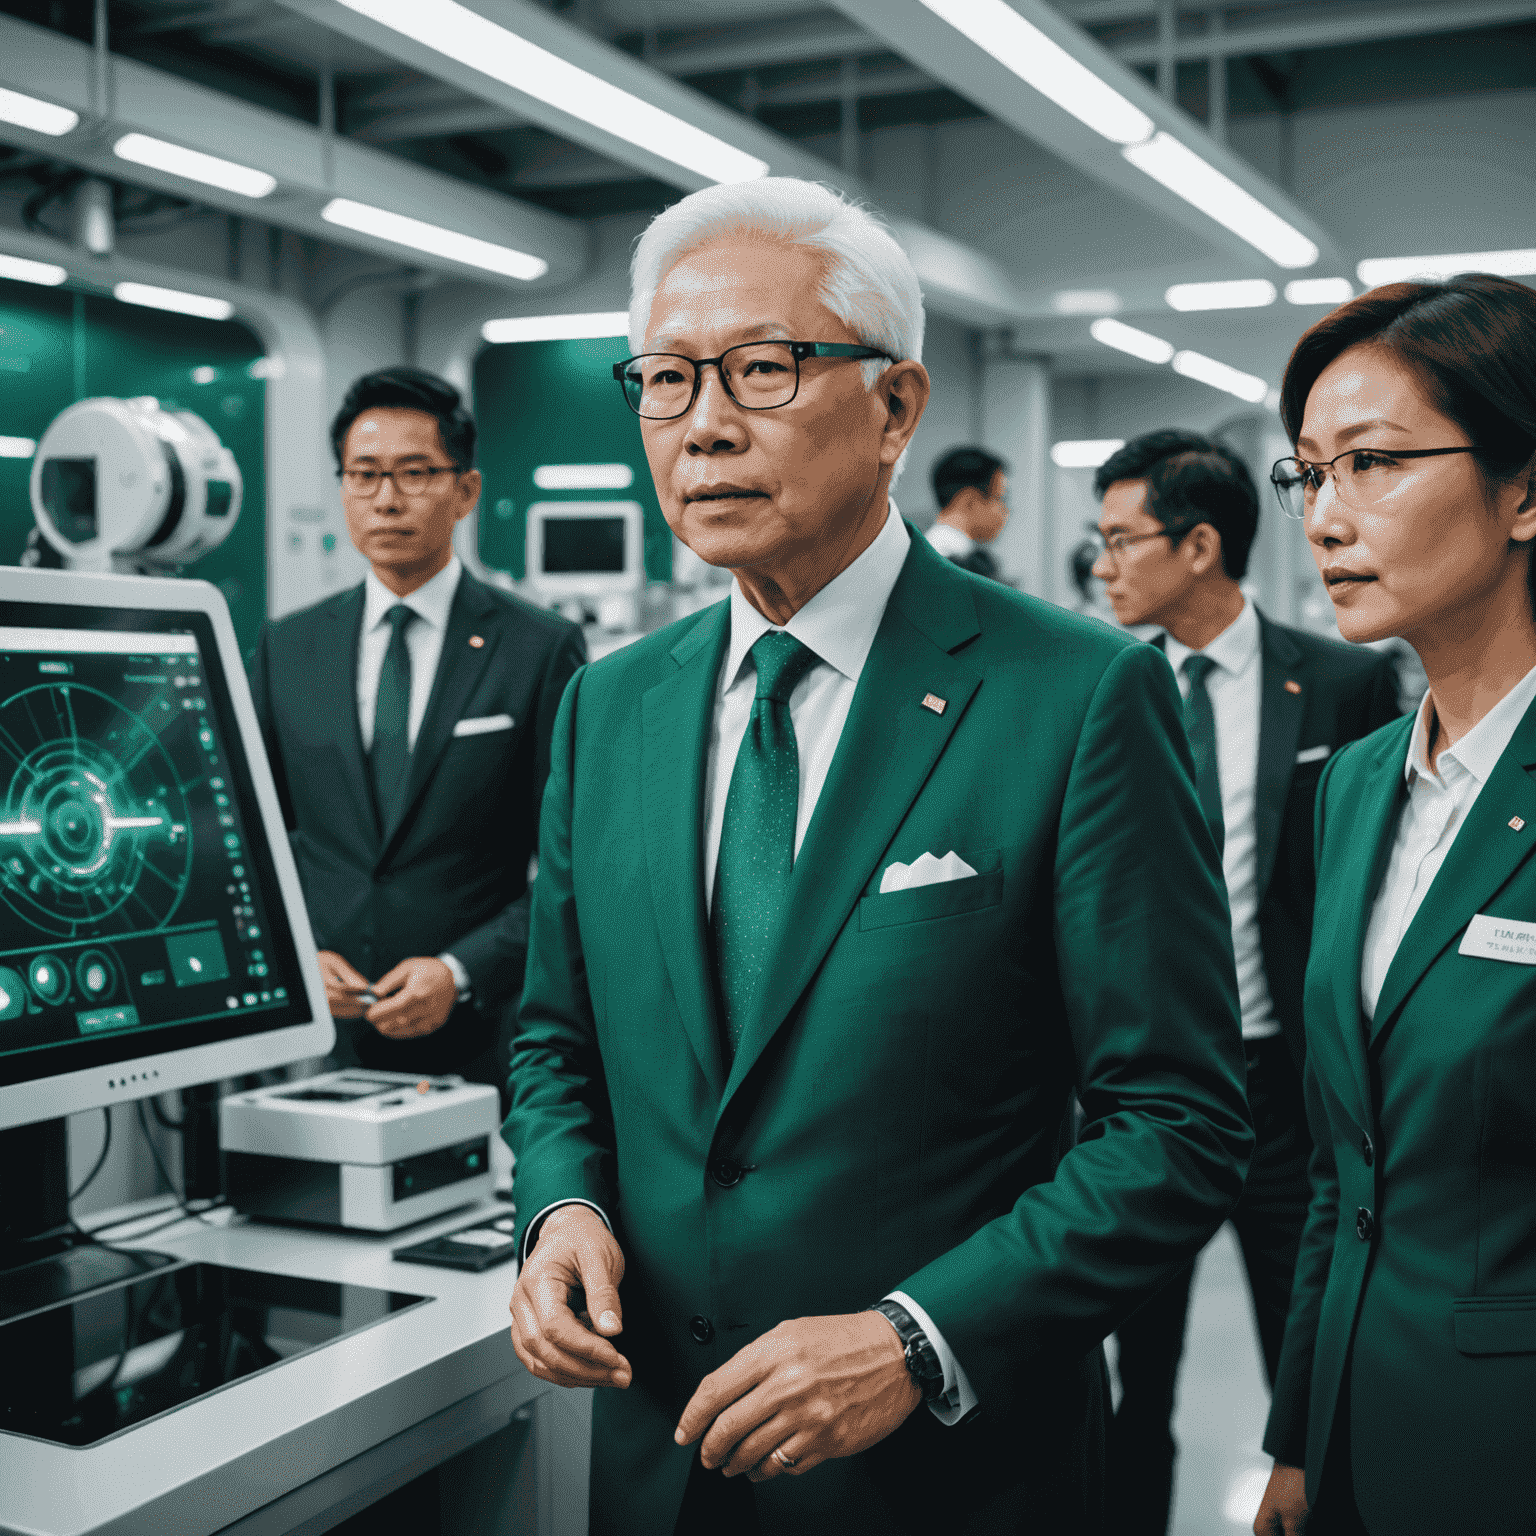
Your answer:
<point x="922" y="1359"/>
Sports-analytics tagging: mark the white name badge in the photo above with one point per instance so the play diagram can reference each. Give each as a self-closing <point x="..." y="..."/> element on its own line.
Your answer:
<point x="1500" y="938"/>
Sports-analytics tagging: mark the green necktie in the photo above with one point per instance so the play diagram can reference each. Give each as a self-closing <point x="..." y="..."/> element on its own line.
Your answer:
<point x="1200" y="723"/>
<point x="390" y="759"/>
<point x="757" y="838"/>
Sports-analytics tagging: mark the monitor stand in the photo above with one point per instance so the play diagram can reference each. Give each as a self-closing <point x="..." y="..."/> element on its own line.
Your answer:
<point x="44" y="1257"/>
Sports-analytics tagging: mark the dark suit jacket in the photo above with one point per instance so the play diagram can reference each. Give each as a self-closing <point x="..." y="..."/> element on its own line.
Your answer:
<point x="891" y="1117"/>
<point x="1340" y="693"/>
<point x="451" y="874"/>
<point x="1417" y="1272"/>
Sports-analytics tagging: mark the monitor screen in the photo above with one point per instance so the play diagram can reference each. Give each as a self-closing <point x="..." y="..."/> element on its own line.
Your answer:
<point x="582" y="545"/>
<point x="140" y="910"/>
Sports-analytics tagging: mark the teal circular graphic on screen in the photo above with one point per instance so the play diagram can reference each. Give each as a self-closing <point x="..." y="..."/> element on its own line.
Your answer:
<point x="94" y="825"/>
<point x="50" y="979"/>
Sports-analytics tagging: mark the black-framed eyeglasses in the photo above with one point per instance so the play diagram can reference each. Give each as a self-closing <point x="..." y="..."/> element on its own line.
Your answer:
<point x="417" y="480"/>
<point x="1360" y="476"/>
<point x="757" y="375"/>
<point x="1117" y="543"/>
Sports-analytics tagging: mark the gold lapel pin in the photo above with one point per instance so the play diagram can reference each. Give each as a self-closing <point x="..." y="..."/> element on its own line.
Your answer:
<point x="1292" y="686"/>
<point x="935" y="703"/>
<point x="1517" y="822"/>
<point x="476" y="641"/>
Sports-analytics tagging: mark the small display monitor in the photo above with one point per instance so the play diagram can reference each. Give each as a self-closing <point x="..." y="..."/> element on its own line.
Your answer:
<point x="586" y="549"/>
<point x="152" y="933"/>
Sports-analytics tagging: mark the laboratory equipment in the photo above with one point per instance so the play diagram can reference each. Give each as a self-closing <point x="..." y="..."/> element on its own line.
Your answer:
<point x="588" y="558"/>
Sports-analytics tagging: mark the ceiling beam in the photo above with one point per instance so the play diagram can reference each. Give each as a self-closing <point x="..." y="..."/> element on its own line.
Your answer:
<point x="766" y="45"/>
<point x="436" y="123"/>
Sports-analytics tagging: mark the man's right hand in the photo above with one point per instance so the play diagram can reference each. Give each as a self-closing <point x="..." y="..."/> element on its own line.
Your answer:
<point x="344" y="987"/>
<point x="565" y="1305"/>
<point x="1283" y="1509"/>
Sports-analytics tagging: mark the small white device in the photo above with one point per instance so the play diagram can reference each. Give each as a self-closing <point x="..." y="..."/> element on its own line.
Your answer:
<point x="369" y="1150"/>
<point x="124" y="485"/>
<point x="586" y="552"/>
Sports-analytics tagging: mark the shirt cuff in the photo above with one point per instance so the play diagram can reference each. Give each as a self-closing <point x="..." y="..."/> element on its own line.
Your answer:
<point x="958" y="1398"/>
<point x="531" y="1231"/>
<point x="460" y="976"/>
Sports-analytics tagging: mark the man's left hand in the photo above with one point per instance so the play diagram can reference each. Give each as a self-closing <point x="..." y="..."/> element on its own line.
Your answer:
<point x="414" y="999"/>
<point x="813" y="1389"/>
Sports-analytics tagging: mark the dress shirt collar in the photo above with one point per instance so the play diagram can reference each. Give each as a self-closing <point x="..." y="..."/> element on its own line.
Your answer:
<point x="1232" y="650"/>
<point x="432" y="601"/>
<point x="840" y="621"/>
<point x="1479" y="751"/>
<point x="951" y="542"/>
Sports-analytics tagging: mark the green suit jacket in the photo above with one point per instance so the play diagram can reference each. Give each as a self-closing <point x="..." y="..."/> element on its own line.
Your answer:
<point x="1417" y="1272"/>
<point x="894" y="1115"/>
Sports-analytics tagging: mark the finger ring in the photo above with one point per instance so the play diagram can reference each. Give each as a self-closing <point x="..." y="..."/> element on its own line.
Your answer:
<point x="787" y="1462"/>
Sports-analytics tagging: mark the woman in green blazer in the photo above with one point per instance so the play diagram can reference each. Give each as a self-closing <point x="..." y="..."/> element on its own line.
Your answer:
<point x="1406" y="1396"/>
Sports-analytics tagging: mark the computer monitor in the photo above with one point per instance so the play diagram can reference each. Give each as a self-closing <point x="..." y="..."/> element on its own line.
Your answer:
<point x="586" y="549"/>
<point x="152" y="930"/>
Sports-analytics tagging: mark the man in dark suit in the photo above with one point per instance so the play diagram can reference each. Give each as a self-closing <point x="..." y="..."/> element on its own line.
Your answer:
<point x="1265" y="707"/>
<point x="970" y="486"/>
<point x="408" y="723"/>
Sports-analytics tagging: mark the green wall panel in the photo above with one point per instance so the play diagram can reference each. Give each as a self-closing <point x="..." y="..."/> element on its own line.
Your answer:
<point x="57" y="347"/>
<point x="555" y="402"/>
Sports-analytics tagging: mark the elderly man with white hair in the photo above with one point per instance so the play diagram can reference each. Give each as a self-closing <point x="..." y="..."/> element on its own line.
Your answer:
<point x="846" y="885"/>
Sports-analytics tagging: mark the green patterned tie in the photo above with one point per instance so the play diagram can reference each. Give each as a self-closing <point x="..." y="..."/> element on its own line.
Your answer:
<point x="757" y="839"/>
<point x="1200" y="723"/>
<point x="390" y="758"/>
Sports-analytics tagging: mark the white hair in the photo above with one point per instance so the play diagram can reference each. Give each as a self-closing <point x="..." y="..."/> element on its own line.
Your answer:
<point x="869" y="282"/>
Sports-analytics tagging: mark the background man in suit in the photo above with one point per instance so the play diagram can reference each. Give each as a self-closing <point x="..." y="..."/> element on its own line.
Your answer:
<point x="1265" y="706"/>
<point x="970" y="486"/>
<point x="408" y="724"/>
<point x="810" y="983"/>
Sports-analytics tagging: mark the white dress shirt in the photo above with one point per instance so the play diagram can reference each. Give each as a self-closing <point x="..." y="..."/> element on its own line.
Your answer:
<point x="950" y="542"/>
<point x="431" y="602"/>
<point x="1440" y="798"/>
<point x="1236" y="686"/>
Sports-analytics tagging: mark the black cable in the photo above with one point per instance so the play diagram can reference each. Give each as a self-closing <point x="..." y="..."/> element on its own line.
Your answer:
<point x="170" y="1183"/>
<point x="101" y="1157"/>
<point x="168" y="1124"/>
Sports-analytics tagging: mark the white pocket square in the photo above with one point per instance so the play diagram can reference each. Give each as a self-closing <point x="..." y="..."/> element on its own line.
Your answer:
<point x="1312" y="755"/>
<point x="481" y="725"/>
<point x="924" y="870"/>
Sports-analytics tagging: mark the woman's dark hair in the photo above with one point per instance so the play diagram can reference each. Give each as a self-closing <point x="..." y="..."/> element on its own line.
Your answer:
<point x="410" y="389"/>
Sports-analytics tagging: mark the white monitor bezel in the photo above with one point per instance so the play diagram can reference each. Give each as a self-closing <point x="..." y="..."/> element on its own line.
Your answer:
<point x="593" y="584"/>
<point x="48" y="1098"/>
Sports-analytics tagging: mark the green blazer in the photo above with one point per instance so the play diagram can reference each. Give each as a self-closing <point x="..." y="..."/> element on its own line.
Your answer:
<point x="893" y="1117"/>
<point x="1417" y="1272"/>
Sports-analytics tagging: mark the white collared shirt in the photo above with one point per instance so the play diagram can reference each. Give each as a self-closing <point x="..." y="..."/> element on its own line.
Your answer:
<point x="1440" y="798"/>
<point x="950" y="541"/>
<point x="1236" y="688"/>
<point x="432" y="602"/>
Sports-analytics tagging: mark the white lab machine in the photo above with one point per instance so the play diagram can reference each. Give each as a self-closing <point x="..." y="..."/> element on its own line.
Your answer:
<point x="588" y="559"/>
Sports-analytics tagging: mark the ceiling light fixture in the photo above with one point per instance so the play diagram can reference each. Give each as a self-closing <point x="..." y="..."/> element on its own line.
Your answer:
<point x="1085" y="301"/>
<point x="17" y="447"/>
<point x="194" y="165"/>
<point x="1085" y="453"/>
<point x="1319" y="290"/>
<point x="1126" y="338"/>
<point x="1195" y="365"/>
<point x="1396" y="269"/>
<point x="1167" y="160"/>
<point x="1241" y="293"/>
<point x="460" y="34"/>
<point x="591" y="327"/>
<point x="174" y="300"/>
<point x="398" y="229"/>
<point x="584" y="477"/>
<point x="996" y="28"/>
<point x="39" y="116"/>
<point x="21" y="270"/>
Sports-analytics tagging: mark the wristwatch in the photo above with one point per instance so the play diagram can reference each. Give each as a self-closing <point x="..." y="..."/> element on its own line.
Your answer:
<point x="922" y="1361"/>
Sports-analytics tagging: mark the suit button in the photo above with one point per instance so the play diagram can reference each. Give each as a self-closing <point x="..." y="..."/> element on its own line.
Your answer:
<point x="701" y="1328"/>
<point x="1367" y="1150"/>
<point x="725" y="1173"/>
<point x="1365" y="1224"/>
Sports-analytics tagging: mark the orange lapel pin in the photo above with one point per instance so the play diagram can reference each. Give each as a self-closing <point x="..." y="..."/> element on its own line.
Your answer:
<point x="935" y="703"/>
<point x="1292" y="686"/>
<point x="476" y="641"/>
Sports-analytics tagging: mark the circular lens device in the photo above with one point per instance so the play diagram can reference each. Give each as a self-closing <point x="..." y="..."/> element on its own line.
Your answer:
<point x="49" y="978"/>
<point x="96" y="975"/>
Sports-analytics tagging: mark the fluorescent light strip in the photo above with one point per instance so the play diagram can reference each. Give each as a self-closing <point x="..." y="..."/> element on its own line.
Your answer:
<point x="20" y="270"/>
<point x="583" y="477"/>
<point x="39" y="116"/>
<point x="174" y="300"/>
<point x="1195" y="365"/>
<point x="193" y="165"/>
<point x="17" y="447"/>
<point x="456" y="32"/>
<point x="1126" y="338"/>
<point x="1201" y="185"/>
<point x="400" y="230"/>
<point x="1242" y="293"/>
<point x="1018" y="45"/>
<point x="1319" y="290"/>
<point x="1396" y="269"/>
<point x="1085" y="301"/>
<point x="1085" y="453"/>
<point x="590" y="327"/>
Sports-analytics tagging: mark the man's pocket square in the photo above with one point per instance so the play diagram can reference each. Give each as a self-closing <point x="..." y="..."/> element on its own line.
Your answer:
<point x="481" y="725"/>
<point x="1312" y="755"/>
<point x="924" y="870"/>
